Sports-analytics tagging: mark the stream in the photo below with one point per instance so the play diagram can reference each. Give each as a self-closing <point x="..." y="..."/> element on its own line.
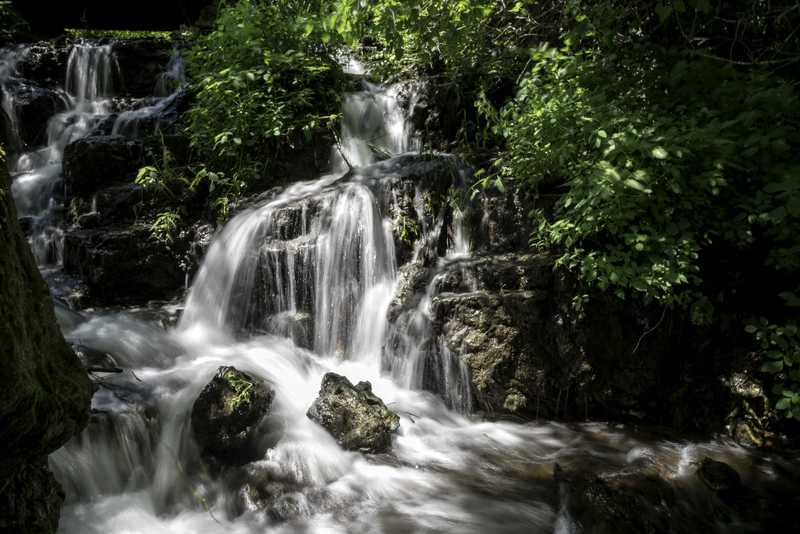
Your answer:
<point x="297" y="285"/>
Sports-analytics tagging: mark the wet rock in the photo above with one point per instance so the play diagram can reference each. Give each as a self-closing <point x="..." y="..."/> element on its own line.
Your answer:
<point x="89" y="220"/>
<point x="227" y="414"/>
<point x="94" y="162"/>
<point x="124" y="263"/>
<point x="498" y="222"/>
<point x="510" y="319"/>
<point x="115" y="204"/>
<point x="44" y="391"/>
<point x="719" y="476"/>
<point x="45" y="63"/>
<point x="6" y="133"/>
<point x="277" y="495"/>
<point x="412" y="280"/>
<point x="413" y="189"/>
<point x="34" y="105"/>
<point x="354" y="415"/>
<point x="616" y="504"/>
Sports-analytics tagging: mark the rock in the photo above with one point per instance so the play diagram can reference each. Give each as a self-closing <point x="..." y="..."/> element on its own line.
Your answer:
<point x="34" y="105"/>
<point x="227" y="414"/>
<point x="31" y="500"/>
<point x="141" y="62"/>
<point x="413" y="189"/>
<point x="98" y="161"/>
<point x="45" y="63"/>
<point x="124" y="263"/>
<point x="115" y="204"/>
<point x="510" y="319"/>
<point x="89" y="220"/>
<point x="498" y="222"/>
<point x="6" y="132"/>
<point x="44" y="392"/>
<point x="719" y="476"/>
<point x="27" y="223"/>
<point x="628" y="503"/>
<point x="355" y="416"/>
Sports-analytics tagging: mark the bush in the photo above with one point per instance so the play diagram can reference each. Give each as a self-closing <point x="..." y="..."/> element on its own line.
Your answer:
<point x="264" y="74"/>
<point x="659" y="156"/>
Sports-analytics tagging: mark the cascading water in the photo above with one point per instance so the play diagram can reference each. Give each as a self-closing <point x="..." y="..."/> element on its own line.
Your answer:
<point x="36" y="174"/>
<point x="289" y="290"/>
<point x="167" y="89"/>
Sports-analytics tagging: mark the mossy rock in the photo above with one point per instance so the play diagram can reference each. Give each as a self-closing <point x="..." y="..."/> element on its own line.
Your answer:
<point x="355" y="416"/>
<point x="227" y="414"/>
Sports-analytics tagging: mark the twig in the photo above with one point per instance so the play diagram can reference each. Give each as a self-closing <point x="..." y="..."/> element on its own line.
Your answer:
<point x="648" y="332"/>
<point x="95" y="369"/>
<point x="340" y="149"/>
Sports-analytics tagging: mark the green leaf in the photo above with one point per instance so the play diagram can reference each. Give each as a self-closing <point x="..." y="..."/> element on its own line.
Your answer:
<point x="633" y="184"/>
<point x="659" y="153"/>
<point x="772" y="367"/>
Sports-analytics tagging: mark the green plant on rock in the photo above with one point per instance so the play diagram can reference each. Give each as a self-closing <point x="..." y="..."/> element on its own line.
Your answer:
<point x="165" y="225"/>
<point x="779" y="349"/>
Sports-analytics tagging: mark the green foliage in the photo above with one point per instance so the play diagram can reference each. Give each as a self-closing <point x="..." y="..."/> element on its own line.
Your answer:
<point x="165" y="226"/>
<point x="11" y="23"/>
<point x="659" y="156"/>
<point x="84" y="33"/>
<point x="264" y="75"/>
<point x="779" y="348"/>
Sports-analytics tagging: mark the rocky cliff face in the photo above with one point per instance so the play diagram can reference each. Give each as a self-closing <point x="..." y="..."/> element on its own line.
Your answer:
<point x="44" y="392"/>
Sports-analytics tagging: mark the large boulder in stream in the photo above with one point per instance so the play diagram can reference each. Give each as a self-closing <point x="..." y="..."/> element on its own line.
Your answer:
<point x="44" y="392"/>
<point x="355" y="416"/>
<point x="227" y="415"/>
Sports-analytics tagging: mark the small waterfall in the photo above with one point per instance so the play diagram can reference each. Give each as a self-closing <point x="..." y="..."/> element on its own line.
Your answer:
<point x="91" y="70"/>
<point x="37" y="174"/>
<point x="373" y="126"/>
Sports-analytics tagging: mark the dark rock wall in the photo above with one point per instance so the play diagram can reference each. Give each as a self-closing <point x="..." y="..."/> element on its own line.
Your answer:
<point x="44" y="392"/>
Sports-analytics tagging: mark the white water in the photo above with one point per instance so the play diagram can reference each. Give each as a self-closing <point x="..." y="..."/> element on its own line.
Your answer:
<point x="36" y="174"/>
<point x="317" y="259"/>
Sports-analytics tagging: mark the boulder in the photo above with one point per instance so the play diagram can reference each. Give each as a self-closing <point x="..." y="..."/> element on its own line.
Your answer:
<point x="355" y="416"/>
<point x="44" y="391"/>
<point x="509" y="318"/>
<point x="227" y="414"/>
<point x="719" y="476"/>
<point x="98" y="161"/>
<point x="616" y="504"/>
<point x="124" y="263"/>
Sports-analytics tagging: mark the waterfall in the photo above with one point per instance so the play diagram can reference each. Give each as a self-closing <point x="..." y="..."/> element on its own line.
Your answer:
<point x="89" y="83"/>
<point x="91" y="70"/>
<point x="294" y="286"/>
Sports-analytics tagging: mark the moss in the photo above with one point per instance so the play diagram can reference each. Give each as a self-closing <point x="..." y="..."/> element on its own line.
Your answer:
<point x="241" y="392"/>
